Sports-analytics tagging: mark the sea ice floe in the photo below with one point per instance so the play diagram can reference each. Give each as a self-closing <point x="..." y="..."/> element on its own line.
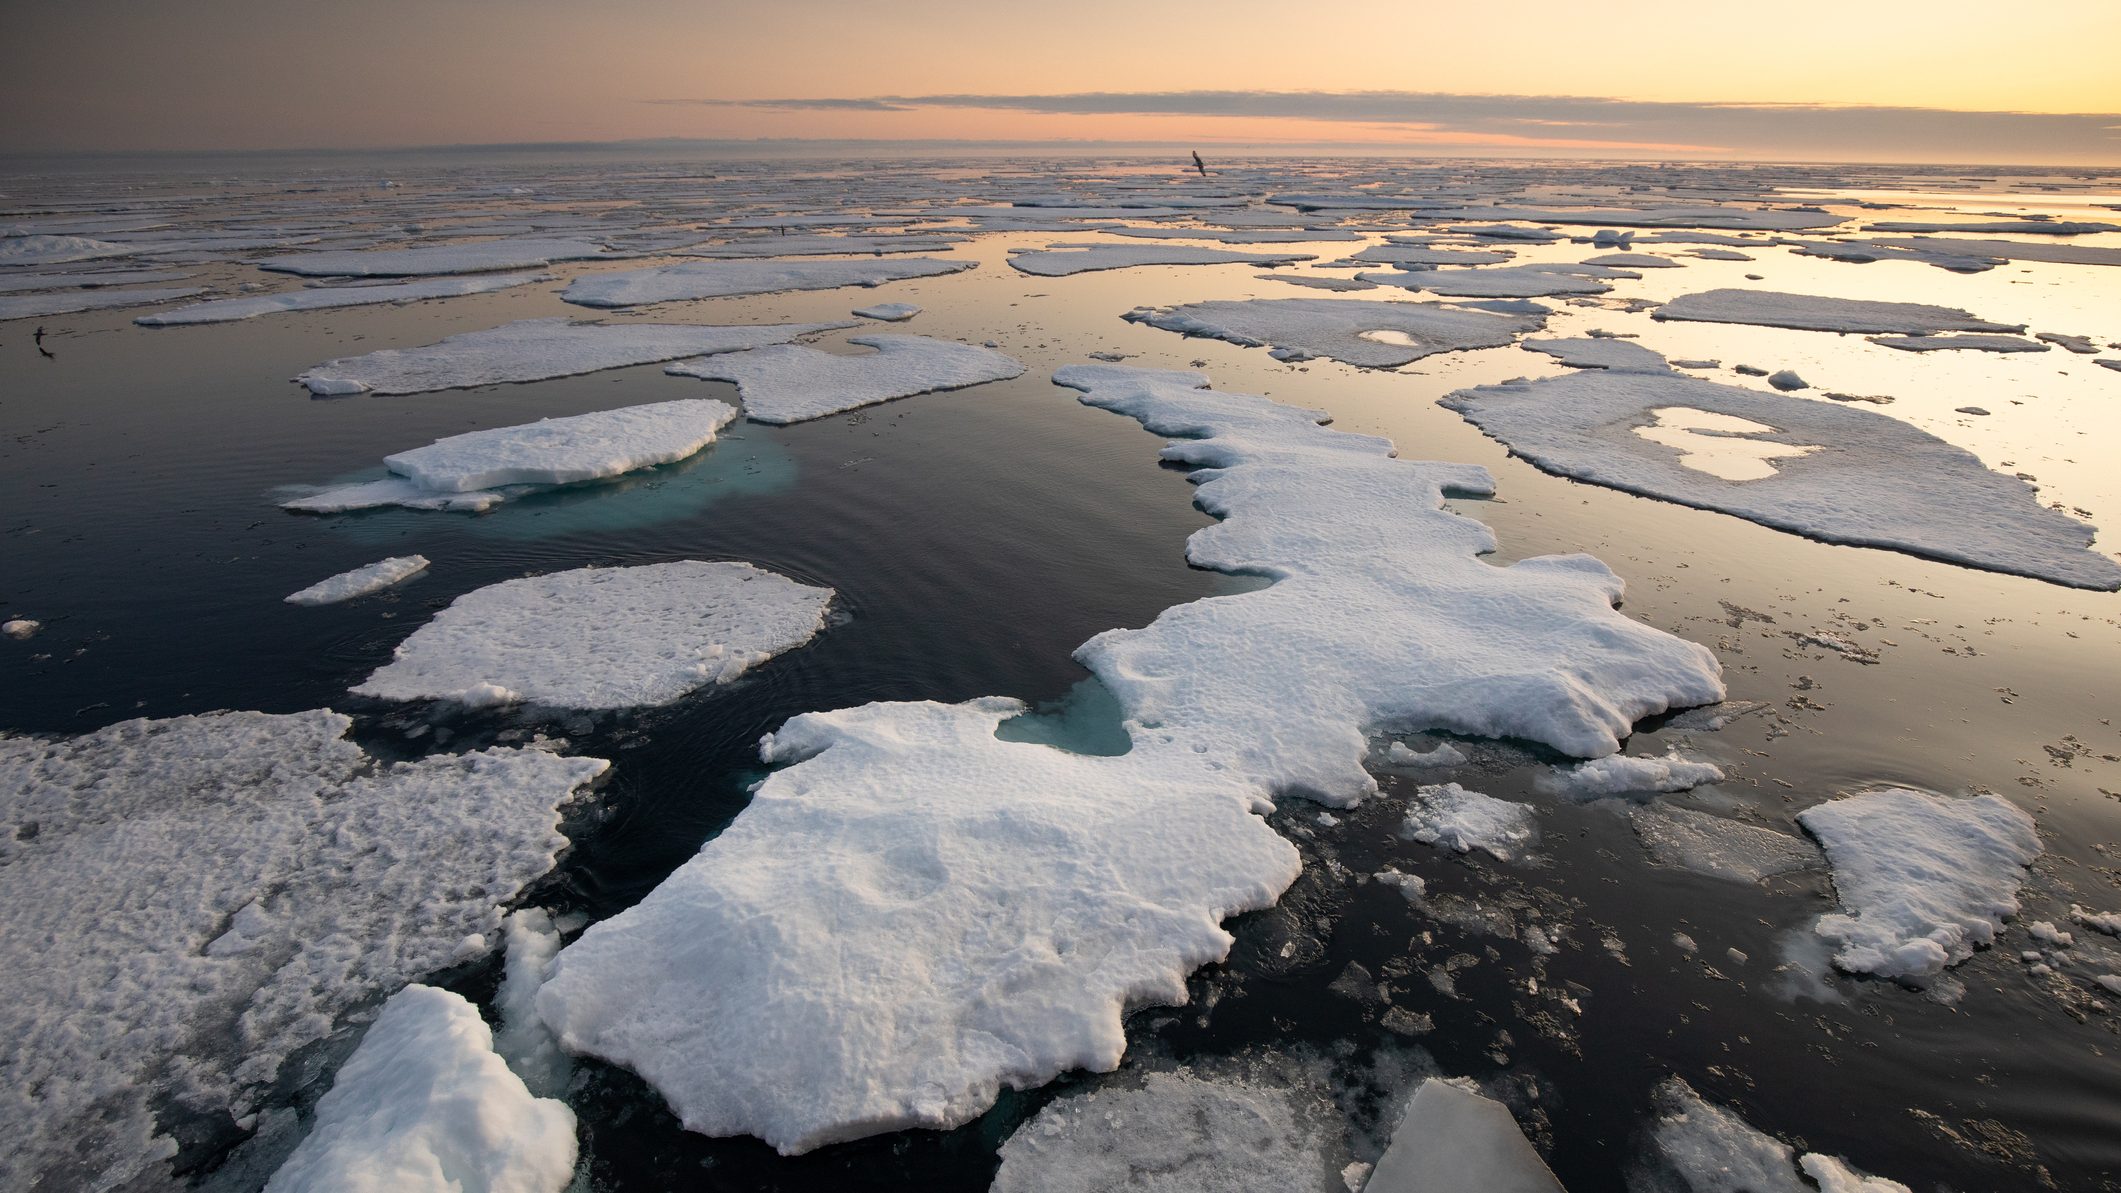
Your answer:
<point x="15" y="283"/>
<point x="1354" y="331"/>
<point x="888" y="312"/>
<point x="424" y="1106"/>
<point x="1708" y="1149"/>
<point x="1398" y="754"/>
<point x="1635" y="261"/>
<point x="1175" y="1133"/>
<point x="1513" y="281"/>
<point x="1448" y="816"/>
<point x="1620" y="774"/>
<point x="478" y="257"/>
<point x="722" y="279"/>
<point x="218" y="891"/>
<point x="1599" y="353"/>
<point x="20" y="627"/>
<point x="1751" y="218"/>
<point x="227" y="309"/>
<point x="1862" y="478"/>
<point x="1811" y="312"/>
<point x="618" y="637"/>
<point x="814" y="246"/>
<point x="1312" y="281"/>
<point x="1240" y="235"/>
<point x="1996" y="227"/>
<point x="1408" y="255"/>
<point x="1923" y="879"/>
<point x="40" y="249"/>
<point x="789" y="383"/>
<point x="69" y="302"/>
<point x="1862" y="252"/>
<point x="537" y="349"/>
<point x="361" y="581"/>
<point x="1063" y="260"/>
<point x="1977" y="343"/>
<point x="1453" y="1138"/>
<point x="993" y="906"/>
<point x="2007" y="250"/>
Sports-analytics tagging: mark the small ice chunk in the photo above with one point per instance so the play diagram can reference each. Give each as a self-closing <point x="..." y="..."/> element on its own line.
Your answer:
<point x="361" y="581"/>
<point x="1978" y="343"/>
<point x="604" y="637"/>
<point x="2046" y="933"/>
<point x="1635" y="261"/>
<point x="888" y="312"/>
<point x="1410" y="885"/>
<point x="537" y="349"/>
<point x="391" y="490"/>
<point x="722" y="279"/>
<point x="1810" y="312"/>
<point x="1454" y="1138"/>
<point x="1708" y="1149"/>
<point x="1599" y="353"/>
<point x="1716" y="845"/>
<point x="1620" y="774"/>
<point x="1923" y="879"/>
<point x="2081" y="345"/>
<point x="20" y="627"/>
<point x="1445" y="754"/>
<point x="424" y="1106"/>
<point x="2108" y="922"/>
<point x="1450" y="817"/>
<point x="790" y="384"/>
<point x="1788" y="381"/>
<point x="524" y="1041"/>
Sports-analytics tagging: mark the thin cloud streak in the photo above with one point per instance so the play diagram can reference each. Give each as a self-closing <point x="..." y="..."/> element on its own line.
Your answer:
<point x="1515" y="120"/>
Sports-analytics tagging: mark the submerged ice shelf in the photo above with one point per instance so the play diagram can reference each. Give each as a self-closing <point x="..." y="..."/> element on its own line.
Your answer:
<point x="1005" y="902"/>
<point x="219" y="891"/>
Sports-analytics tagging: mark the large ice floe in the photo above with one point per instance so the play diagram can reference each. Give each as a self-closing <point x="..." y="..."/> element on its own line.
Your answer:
<point x="1175" y="1133"/>
<point x="478" y="257"/>
<point x="1843" y="475"/>
<point x="192" y="900"/>
<point x="1514" y="281"/>
<point x="1699" y="1147"/>
<point x="990" y="908"/>
<point x="225" y="310"/>
<point x="789" y="383"/>
<point x="425" y="1106"/>
<point x="70" y="302"/>
<point x="1065" y="259"/>
<point x="1360" y="332"/>
<point x="817" y="246"/>
<point x="722" y="279"/>
<point x="481" y="469"/>
<point x="361" y="581"/>
<point x="617" y="637"/>
<point x="536" y="349"/>
<point x="1812" y="312"/>
<point x="1923" y="879"/>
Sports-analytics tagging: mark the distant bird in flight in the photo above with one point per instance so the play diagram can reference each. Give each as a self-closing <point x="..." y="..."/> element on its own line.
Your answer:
<point x="40" y="337"/>
<point x="1199" y="164"/>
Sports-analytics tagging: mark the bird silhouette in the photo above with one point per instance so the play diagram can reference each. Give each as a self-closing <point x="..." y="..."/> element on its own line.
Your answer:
<point x="1199" y="164"/>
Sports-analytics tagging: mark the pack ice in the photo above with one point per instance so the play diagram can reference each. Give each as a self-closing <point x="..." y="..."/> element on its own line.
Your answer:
<point x="478" y="257"/>
<point x="1812" y="312"/>
<point x="1381" y="335"/>
<point x="217" y="891"/>
<point x="991" y="908"/>
<point x="225" y="310"/>
<point x="534" y="350"/>
<point x="480" y="469"/>
<point x="1852" y="477"/>
<point x="617" y="637"/>
<point x="1923" y="879"/>
<point x="789" y="383"/>
<point x="721" y="279"/>
<point x="425" y="1106"/>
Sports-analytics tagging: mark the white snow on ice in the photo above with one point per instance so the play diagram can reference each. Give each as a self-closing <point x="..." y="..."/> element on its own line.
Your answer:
<point x="790" y="383"/>
<point x="1450" y="817"/>
<point x="616" y="637"/>
<point x="1347" y="330"/>
<point x="1619" y="774"/>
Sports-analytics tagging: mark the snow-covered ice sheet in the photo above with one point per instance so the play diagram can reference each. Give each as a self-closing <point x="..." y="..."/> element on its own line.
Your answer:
<point x="1812" y="312"/>
<point x="218" y="891"/>
<point x="1174" y="1133"/>
<point x="1922" y="879"/>
<point x="1512" y="281"/>
<point x="1240" y="235"/>
<point x="477" y="257"/>
<point x="1976" y="343"/>
<point x="536" y="349"/>
<point x="1063" y="260"/>
<point x="361" y="581"/>
<point x="1004" y="901"/>
<point x="1354" y="331"/>
<point x="1866" y="479"/>
<point x="68" y="302"/>
<point x="1448" y="816"/>
<point x="1599" y="353"/>
<point x="424" y="1106"/>
<point x="813" y="246"/>
<point x="224" y="310"/>
<point x="721" y="279"/>
<point x="790" y="383"/>
<point x="616" y="637"/>
<point x="1417" y="255"/>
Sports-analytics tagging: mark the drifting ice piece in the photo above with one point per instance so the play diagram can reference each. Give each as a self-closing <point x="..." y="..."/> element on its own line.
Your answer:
<point x="1382" y="335"/>
<point x="789" y="384"/>
<point x="521" y="253"/>
<point x="227" y="310"/>
<point x="361" y="581"/>
<point x="1811" y="312"/>
<point x="1063" y="260"/>
<point x="722" y="279"/>
<point x="1453" y="1140"/>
